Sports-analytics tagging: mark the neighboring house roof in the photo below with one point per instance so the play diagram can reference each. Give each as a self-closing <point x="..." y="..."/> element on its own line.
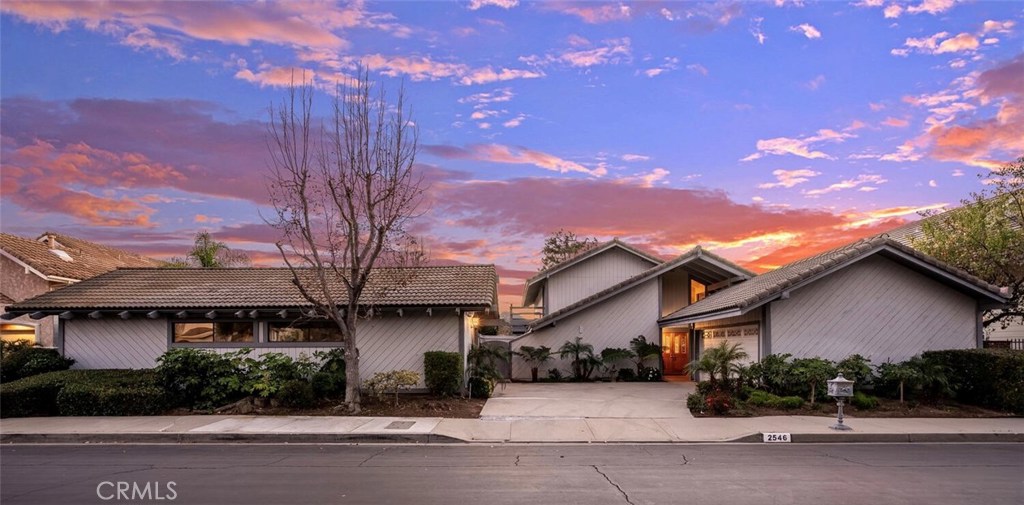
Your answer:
<point x="238" y="288"/>
<point x="54" y="256"/>
<point x="726" y="268"/>
<point x="769" y="286"/>
<point x="6" y="300"/>
<point x="533" y="283"/>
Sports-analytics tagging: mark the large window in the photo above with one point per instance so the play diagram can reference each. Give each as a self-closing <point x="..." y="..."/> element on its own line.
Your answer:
<point x="213" y="332"/>
<point x="697" y="291"/>
<point x="305" y="331"/>
<point x="10" y="332"/>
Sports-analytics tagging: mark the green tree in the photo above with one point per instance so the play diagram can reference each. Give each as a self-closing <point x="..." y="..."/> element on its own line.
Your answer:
<point x="535" y="357"/>
<point x="208" y="252"/>
<point x="813" y="372"/>
<point x="610" y="356"/>
<point x="985" y="237"/>
<point x="581" y="356"/>
<point x="719" y="362"/>
<point x="643" y="351"/>
<point x="906" y="375"/>
<point x="562" y="245"/>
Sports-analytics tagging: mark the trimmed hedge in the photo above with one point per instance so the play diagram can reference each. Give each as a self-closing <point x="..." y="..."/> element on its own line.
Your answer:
<point x="20" y="361"/>
<point x="83" y="392"/>
<point x="443" y="372"/>
<point x="992" y="378"/>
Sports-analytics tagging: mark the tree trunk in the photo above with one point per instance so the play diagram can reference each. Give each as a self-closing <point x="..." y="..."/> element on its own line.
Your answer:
<point x="533" y="372"/>
<point x="901" y="392"/>
<point x="352" y="397"/>
<point x="813" y="395"/>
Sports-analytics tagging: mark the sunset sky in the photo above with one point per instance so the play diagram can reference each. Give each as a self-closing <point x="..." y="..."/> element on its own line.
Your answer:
<point x="764" y="131"/>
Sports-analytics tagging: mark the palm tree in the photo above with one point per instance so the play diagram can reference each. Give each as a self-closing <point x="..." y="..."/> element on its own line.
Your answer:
<point x="612" y="355"/>
<point x="207" y="252"/>
<point x="535" y="356"/>
<point x="642" y="351"/>
<point x="581" y="355"/>
<point x="720" y="361"/>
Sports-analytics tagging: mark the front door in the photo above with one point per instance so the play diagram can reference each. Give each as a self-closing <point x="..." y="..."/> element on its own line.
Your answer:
<point x="675" y="351"/>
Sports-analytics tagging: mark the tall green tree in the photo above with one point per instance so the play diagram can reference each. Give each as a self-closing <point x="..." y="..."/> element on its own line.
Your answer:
<point x="985" y="237"/>
<point x="208" y="252"/>
<point x="562" y="245"/>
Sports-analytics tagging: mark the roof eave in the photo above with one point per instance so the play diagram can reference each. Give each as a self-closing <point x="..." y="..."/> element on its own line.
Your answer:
<point x="697" y="318"/>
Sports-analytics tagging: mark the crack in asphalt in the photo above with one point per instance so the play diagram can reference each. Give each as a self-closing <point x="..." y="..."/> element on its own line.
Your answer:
<point x="621" y="491"/>
<point x="517" y="460"/>
<point x="374" y="455"/>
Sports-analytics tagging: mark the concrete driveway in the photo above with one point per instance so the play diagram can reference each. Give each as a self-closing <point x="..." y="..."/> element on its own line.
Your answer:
<point x="571" y="400"/>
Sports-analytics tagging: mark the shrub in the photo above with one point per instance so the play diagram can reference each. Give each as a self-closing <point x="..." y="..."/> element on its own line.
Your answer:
<point x="790" y="402"/>
<point x="83" y="392"/>
<point x="555" y="374"/>
<point x="863" y="401"/>
<point x="480" y="387"/>
<point x="22" y="360"/>
<point x="650" y="374"/>
<point x="133" y="393"/>
<point x="201" y="379"/>
<point x="858" y="369"/>
<point x="762" y="399"/>
<point x="296" y="393"/>
<point x="706" y="387"/>
<point x="774" y="373"/>
<point x="264" y="376"/>
<point x="611" y="356"/>
<point x="330" y="380"/>
<point x="627" y="375"/>
<point x="385" y="383"/>
<point x="443" y="372"/>
<point x="535" y="357"/>
<point x="696" y="402"/>
<point x="812" y="374"/>
<point x="992" y="378"/>
<point x="719" y="402"/>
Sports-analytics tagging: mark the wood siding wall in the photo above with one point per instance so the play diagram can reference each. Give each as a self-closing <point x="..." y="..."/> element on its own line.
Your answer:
<point x="875" y="308"/>
<point x="592" y="275"/>
<point x="389" y="343"/>
<point x="612" y="323"/>
<point x="675" y="291"/>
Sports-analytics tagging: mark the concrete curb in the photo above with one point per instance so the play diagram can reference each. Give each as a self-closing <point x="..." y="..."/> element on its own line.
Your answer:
<point x="428" y="438"/>
<point x="219" y="438"/>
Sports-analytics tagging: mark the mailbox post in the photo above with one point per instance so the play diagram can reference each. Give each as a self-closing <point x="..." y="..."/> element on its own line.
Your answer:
<point x="840" y="388"/>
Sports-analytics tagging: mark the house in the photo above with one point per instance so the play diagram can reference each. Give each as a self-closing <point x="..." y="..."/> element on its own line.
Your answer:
<point x="876" y="297"/>
<point x="127" y="318"/>
<point x="32" y="267"/>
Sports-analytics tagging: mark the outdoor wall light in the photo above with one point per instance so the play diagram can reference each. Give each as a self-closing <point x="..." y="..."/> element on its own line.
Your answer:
<point x="840" y="388"/>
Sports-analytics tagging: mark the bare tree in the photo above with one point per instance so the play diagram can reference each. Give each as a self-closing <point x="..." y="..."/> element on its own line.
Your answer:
<point x="343" y="192"/>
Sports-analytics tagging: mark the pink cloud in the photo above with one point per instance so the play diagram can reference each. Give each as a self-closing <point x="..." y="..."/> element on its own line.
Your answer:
<point x="498" y="153"/>
<point x="590" y="12"/>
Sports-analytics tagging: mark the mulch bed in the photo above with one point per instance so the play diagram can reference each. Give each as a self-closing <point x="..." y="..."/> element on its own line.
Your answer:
<point x="409" y="405"/>
<point x="886" y="408"/>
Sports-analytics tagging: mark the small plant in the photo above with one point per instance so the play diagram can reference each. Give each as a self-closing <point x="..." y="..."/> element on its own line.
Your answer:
<point x="535" y="357"/>
<point x="643" y="351"/>
<point x="393" y="382"/>
<point x="331" y="381"/>
<point x="719" y="402"/>
<point x="480" y="388"/>
<point x="762" y="399"/>
<point x="696" y="402"/>
<point x="863" y="401"/>
<point x="626" y="375"/>
<point x="790" y="402"/>
<point x="581" y="356"/>
<point x="611" y="356"/>
<point x="555" y="374"/>
<point x="297" y="394"/>
<point x="650" y="374"/>
<point x="719" y="362"/>
<point x="483" y="363"/>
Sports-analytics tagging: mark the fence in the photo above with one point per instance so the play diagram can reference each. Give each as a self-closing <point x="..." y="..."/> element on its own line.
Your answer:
<point x="1017" y="344"/>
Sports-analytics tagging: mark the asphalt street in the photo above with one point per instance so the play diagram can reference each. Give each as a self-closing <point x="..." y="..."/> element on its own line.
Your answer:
<point x="514" y="474"/>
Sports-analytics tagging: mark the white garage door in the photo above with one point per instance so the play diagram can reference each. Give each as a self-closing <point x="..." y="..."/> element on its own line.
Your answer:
<point x="747" y="336"/>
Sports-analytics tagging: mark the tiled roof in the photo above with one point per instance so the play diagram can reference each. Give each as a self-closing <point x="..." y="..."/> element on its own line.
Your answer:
<point x="768" y="285"/>
<point x="6" y="300"/>
<point x="650" y="273"/>
<point x="88" y="259"/>
<point x="165" y="288"/>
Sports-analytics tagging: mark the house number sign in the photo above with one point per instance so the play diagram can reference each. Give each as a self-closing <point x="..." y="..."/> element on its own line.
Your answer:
<point x="771" y="438"/>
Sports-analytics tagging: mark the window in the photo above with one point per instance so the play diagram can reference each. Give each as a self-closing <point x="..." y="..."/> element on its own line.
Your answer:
<point x="213" y="332"/>
<point x="697" y="291"/>
<point x="305" y="331"/>
<point x="10" y="332"/>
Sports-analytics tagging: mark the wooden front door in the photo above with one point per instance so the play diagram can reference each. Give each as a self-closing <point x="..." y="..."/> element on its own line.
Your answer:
<point x="675" y="351"/>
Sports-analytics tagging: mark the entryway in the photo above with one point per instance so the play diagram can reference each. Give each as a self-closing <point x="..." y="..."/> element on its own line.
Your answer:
<point x="675" y="353"/>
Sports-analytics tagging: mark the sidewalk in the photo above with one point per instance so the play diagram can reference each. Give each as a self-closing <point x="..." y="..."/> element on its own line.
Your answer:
<point x="294" y="429"/>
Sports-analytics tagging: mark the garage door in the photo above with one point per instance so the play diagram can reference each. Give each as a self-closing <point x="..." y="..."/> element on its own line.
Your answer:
<point x="747" y="336"/>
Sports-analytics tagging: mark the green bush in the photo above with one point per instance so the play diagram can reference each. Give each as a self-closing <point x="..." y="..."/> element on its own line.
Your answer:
<point x="201" y="379"/>
<point x="858" y="369"/>
<point x="480" y="387"/>
<point x="863" y="401"/>
<point x="83" y="392"/>
<point x="297" y="394"/>
<point x="383" y="384"/>
<point x="330" y="380"/>
<point x="790" y="402"/>
<point x="443" y="372"/>
<point x="555" y="375"/>
<point x="719" y="402"/>
<point x="760" y="398"/>
<point x="695" y="402"/>
<point x="133" y="393"/>
<point x="650" y="374"/>
<point x="627" y="375"/>
<point x="264" y="376"/>
<point x="22" y="360"/>
<point x="811" y="375"/>
<point x="774" y="374"/>
<point x="992" y="378"/>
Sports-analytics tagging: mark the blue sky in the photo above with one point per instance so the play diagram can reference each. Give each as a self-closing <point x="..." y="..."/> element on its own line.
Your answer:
<point x="765" y="131"/>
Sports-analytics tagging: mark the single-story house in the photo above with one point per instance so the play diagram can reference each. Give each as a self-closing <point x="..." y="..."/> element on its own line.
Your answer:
<point x="127" y="318"/>
<point x="875" y="297"/>
<point x="31" y="267"/>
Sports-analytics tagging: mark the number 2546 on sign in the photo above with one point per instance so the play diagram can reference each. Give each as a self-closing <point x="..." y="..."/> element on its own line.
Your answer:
<point x="776" y="437"/>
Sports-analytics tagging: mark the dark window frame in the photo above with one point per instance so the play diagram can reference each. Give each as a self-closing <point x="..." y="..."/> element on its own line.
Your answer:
<point x="171" y="342"/>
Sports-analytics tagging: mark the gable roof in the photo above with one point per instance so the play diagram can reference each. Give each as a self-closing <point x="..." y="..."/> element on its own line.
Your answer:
<point x="241" y="288"/>
<point x="87" y="259"/>
<point x="766" y="287"/>
<point x="533" y="283"/>
<point x="697" y="253"/>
